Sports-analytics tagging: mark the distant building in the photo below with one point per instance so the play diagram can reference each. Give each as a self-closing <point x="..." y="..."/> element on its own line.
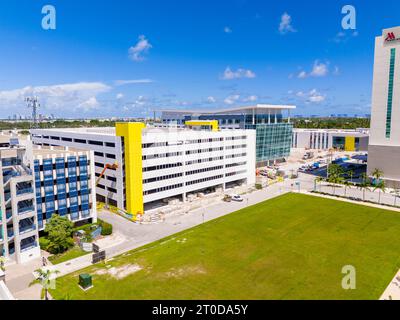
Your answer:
<point x="325" y="139"/>
<point x="384" y="143"/>
<point x="274" y="133"/>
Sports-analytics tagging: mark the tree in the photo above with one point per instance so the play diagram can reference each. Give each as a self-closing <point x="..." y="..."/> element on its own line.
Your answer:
<point x="46" y="280"/>
<point x="346" y="185"/>
<point x="59" y="233"/>
<point x="335" y="173"/>
<point x="381" y="186"/>
<point x="377" y="174"/>
<point x="319" y="180"/>
<point x="2" y="263"/>
<point x="365" y="184"/>
<point x="351" y="174"/>
<point x="396" y="194"/>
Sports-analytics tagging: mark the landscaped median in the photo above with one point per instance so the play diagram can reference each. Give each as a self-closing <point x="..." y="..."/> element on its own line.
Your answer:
<point x="291" y="247"/>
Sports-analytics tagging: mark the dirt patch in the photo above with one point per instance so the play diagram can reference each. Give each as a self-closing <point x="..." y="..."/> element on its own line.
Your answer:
<point x="185" y="271"/>
<point x="120" y="272"/>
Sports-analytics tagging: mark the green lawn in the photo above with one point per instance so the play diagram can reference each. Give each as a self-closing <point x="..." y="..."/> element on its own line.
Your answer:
<point x="290" y="247"/>
<point x="72" y="253"/>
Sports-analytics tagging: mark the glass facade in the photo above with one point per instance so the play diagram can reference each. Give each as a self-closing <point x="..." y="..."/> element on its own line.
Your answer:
<point x="273" y="141"/>
<point x="390" y="92"/>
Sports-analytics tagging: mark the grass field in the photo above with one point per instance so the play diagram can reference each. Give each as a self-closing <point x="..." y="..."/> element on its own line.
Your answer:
<point x="290" y="247"/>
<point x="72" y="253"/>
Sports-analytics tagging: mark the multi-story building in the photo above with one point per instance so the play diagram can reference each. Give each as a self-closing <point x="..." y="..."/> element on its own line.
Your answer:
<point x="384" y="142"/>
<point x="35" y="183"/>
<point x="154" y="164"/>
<point x="273" y="131"/>
<point x="325" y="139"/>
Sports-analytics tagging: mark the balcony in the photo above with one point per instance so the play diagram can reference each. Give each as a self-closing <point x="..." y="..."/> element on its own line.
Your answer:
<point x="8" y="214"/>
<point x="26" y="209"/>
<point x="24" y="191"/>
<point x="27" y="229"/>
<point x="7" y="177"/>
<point x="10" y="233"/>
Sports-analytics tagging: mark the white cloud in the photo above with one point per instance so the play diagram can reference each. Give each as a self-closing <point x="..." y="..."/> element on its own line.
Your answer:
<point x="227" y="30"/>
<point x="119" y="96"/>
<point x="232" y="99"/>
<point x="250" y="98"/>
<point x="62" y="96"/>
<point x="137" y="52"/>
<point x="342" y="37"/>
<point x="89" y="104"/>
<point x="315" y="97"/>
<point x="285" y="26"/>
<point x="211" y="99"/>
<point x="319" y="69"/>
<point x="302" y="75"/>
<point x="312" y="96"/>
<point x="239" y="73"/>
<point x="336" y="71"/>
<point x="134" y="81"/>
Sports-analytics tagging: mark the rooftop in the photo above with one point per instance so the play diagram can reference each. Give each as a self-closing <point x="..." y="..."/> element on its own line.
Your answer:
<point x="257" y="107"/>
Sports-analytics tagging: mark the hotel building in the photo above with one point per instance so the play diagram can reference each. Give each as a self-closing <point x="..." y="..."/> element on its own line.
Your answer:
<point x="155" y="164"/>
<point x="35" y="183"/>
<point x="384" y="143"/>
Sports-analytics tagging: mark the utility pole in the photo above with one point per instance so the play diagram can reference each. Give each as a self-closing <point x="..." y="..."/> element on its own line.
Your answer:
<point x="33" y="102"/>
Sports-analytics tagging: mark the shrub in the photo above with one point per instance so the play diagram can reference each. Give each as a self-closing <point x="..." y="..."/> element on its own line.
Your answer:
<point x="59" y="233"/>
<point x="258" y="186"/>
<point x="106" y="228"/>
<point x="44" y="243"/>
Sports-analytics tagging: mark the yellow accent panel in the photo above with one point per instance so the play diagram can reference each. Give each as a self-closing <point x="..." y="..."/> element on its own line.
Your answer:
<point x="350" y="144"/>
<point x="132" y="133"/>
<point x="212" y="123"/>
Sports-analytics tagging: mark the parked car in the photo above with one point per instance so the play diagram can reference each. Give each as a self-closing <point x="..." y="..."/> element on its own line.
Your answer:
<point x="227" y="198"/>
<point x="236" y="197"/>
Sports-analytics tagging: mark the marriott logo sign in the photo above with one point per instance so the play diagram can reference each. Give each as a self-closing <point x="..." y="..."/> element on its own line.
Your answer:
<point x="390" y="36"/>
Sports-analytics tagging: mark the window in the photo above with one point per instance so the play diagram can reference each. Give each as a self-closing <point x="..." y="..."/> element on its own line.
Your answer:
<point x="390" y="92"/>
<point x="96" y="143"/>
<point x="110" y="144"/>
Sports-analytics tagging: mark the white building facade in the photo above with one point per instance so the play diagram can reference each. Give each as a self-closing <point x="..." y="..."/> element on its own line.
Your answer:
<point x="36" y="183"/>
<point x="159" y="163"/>
<point x="384" y="144"/>
<point x="325" y="139"/>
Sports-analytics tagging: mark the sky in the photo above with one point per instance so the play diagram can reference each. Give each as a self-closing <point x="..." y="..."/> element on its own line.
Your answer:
<point x="127" y="58"/>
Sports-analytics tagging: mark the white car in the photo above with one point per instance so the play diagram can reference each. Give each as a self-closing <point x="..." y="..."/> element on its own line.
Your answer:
<point x="236" y="197"/>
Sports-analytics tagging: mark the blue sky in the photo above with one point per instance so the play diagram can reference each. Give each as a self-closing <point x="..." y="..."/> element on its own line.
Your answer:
<point x="127" y="58"/>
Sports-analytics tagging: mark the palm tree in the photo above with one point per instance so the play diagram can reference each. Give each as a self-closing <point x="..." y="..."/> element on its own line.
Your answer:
<point x="2" y="263"/>
<point x="346" y="185"/>
<point x="396" y="194"/>
<point x="45" y="280"/>
<point x="335" y="175"/>
<point x="350" y="173"/>
<point x="377" y="174"/>
<point x="381" y="186"/>
<point x="319" y="179"/>
<point x="365" y="184"/>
